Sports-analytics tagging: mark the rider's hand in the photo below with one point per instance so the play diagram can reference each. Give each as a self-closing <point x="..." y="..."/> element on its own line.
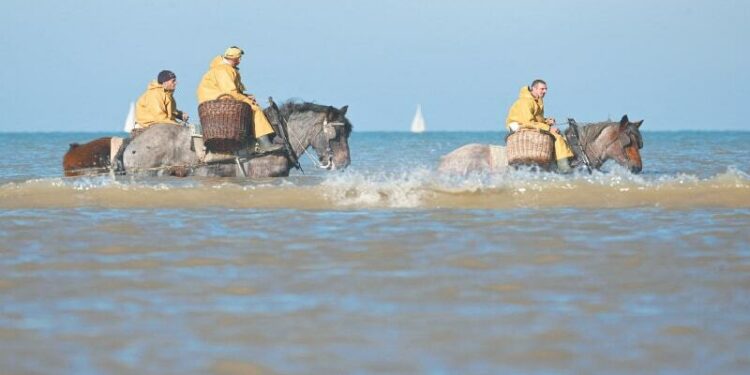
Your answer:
<point x="550" y="121"/>
<point x="554" y="129"/>
<point x="185" y="116"/>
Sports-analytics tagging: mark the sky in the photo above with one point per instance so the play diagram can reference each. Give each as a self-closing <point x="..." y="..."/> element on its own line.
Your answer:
<point x="679" y="65"/>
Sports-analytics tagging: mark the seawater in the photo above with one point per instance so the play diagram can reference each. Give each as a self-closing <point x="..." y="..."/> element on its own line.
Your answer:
<point x="387" y="267"/>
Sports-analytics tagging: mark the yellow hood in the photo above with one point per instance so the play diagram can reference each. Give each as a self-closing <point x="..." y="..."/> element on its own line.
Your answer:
<point x="216" y="61"/>
<point x="155" y="106"/>
<point x="525" y="93"/>
<point x="221" y="79"/>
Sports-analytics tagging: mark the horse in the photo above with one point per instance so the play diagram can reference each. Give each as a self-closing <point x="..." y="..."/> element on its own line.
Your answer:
<point x="600" y="142"/>
<point x="91" y="157"/>
<point x="166" y="149"/>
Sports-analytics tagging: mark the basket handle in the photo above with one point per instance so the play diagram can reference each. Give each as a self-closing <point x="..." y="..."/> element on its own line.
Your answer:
<point x="528" y="129"/>
<point x="224" y="96"/>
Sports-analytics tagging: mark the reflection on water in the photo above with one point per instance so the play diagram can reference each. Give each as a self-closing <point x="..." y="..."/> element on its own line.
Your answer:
<point x="405" y="291"/>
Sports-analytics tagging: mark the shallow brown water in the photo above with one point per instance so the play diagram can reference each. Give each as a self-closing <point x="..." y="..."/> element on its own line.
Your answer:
<point x="227" y="291"/>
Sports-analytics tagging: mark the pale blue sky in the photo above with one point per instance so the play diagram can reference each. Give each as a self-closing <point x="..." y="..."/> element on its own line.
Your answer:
<point x="75" y="65"/>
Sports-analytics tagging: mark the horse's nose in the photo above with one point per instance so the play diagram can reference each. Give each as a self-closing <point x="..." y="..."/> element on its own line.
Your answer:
<point x="342" y="162"/>
<point x="636" y="169"/>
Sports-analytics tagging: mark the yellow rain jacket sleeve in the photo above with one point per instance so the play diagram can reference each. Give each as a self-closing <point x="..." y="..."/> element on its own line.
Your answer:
<point x="222" y="79"/>
<point x="527" y="111"/>
<point x="156" y="106"/>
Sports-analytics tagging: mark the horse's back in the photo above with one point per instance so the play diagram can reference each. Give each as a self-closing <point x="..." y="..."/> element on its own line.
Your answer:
<point x="160" y="145"/>
<point x="82" y="158"/>
<point x="474" y="157"/>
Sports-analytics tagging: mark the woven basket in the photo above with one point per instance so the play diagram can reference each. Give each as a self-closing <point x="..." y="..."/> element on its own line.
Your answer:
<point x="530" y="147"/>
<point x="226" y="123"/>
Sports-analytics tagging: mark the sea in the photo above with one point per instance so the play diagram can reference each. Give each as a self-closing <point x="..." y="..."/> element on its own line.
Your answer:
<point x="385" y="267"/>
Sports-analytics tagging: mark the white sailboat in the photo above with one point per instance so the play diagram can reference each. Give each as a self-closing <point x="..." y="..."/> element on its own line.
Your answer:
<point x="130" y="120"/>
<point x="417" y="125"/>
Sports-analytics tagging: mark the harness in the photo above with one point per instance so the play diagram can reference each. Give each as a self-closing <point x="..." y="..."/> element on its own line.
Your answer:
<point x="329" y="130"/>
<point x="598" y="158"/>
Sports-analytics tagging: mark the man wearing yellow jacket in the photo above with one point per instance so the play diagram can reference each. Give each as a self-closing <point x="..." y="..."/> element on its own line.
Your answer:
<point x="223" y="78"/>
<point x="157" y="105"/>
<point x="528" y="112"/>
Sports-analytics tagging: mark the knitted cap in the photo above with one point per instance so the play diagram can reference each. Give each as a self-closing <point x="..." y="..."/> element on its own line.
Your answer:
<point x="164" y="76"/>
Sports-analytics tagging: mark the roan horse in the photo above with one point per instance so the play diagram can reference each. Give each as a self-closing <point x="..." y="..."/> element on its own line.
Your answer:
<point x="169" y="149"/>
<point x="600" y="142"/>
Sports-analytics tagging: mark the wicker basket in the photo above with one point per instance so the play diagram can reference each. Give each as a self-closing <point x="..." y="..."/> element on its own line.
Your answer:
<point x="530" y="147"/>
<point x="226" y="123"/>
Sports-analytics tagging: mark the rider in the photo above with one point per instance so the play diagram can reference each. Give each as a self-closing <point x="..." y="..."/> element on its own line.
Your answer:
<point x="223" y="78"/>
<point x="157" y="105"/>
<point x="528" y="112"/>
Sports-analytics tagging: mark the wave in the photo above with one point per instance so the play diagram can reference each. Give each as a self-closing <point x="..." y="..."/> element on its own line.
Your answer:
<point x="411" y="188"/>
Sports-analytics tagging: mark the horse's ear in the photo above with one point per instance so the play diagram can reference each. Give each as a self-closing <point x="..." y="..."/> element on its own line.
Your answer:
<point x="343" y="110"/>
<point x="638" y="124"/>
<point x="624" y="122"/>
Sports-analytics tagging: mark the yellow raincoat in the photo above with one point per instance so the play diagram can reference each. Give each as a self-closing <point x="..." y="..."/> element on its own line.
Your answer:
<point x="156" y="106"/>
<point x="529" y="113"/>
<point x="222" y="79"/>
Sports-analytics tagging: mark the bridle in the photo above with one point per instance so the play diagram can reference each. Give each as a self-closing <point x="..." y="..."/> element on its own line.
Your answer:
<point x="329" y="131"/>
<point x="598" y="160"/>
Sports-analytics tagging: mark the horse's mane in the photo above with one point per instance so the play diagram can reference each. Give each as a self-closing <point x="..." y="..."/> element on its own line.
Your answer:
<point x="589" y="132"/>
<point x="296" y="106"/>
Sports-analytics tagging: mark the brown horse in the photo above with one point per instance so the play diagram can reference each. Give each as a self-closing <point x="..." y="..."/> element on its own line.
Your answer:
<point x="88" y="158"/>
<point x="618" y="141"/>
<point x="603" y="141"/>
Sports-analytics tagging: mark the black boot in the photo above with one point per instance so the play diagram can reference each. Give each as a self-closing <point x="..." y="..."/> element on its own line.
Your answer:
<point x="575" y="163"/>
<point x="265" y="145"/>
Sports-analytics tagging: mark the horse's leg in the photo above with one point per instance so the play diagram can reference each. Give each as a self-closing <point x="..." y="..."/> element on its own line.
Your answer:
<point x="267" y="166"/>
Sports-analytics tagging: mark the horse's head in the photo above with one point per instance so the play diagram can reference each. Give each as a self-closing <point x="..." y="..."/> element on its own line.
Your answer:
<point x="325" y="128"/>
<point x="331" y="143"/>
<point x="620" y="142"/>
<point x="626" y="149"/>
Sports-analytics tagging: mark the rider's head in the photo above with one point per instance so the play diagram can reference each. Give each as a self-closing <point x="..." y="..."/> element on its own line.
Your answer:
<point x="538" y="88"/>
<point x="233" y="55"/>
<point x="167" y="79"/>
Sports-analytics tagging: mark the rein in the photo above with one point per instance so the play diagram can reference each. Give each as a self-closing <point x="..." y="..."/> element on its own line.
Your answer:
<point x="598" y="159"/>
<point x="328" y="129"/>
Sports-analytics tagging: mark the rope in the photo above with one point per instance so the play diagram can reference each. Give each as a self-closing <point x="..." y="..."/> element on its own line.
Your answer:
<point x="316" y="163"/>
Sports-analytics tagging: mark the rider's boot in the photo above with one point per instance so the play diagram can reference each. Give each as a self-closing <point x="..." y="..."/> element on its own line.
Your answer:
<point x="563" y="166"/>
<point x="575" y="163"/>
<point x="265" y="145"/>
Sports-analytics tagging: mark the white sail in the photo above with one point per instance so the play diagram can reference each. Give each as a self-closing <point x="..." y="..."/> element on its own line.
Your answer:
<point x="417" y="125"/>
<point x="130" y="120"/>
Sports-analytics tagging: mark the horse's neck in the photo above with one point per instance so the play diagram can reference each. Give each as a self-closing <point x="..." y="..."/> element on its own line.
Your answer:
<point x="589" y="146"/>
<point x="302" y="130"/>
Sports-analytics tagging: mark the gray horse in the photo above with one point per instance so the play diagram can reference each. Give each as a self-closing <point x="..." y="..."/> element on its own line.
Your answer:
<point x="601" y="141"/>
<point x="171" y="150"/>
